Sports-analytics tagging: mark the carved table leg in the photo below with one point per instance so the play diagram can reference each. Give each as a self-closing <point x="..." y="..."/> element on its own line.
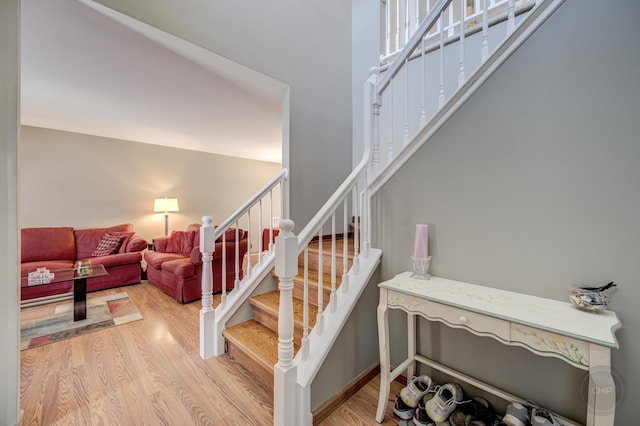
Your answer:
<point x="601" y="405"/>
<point x="383" y="339"/>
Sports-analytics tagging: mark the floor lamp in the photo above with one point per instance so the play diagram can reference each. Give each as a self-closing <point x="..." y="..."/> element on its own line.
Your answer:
<point x="166" y="205"/>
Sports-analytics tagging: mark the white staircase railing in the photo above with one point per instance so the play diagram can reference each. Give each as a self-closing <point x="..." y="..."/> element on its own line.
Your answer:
<point x="270" y="202"/>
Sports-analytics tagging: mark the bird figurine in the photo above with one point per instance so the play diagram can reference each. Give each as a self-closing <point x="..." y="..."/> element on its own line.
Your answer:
<point x="592" y="299"/>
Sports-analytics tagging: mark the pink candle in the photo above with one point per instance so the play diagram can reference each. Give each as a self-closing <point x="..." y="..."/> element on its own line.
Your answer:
<point x="421" y="250"/>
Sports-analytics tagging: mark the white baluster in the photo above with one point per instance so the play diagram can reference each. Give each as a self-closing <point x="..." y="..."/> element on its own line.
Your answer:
<point x="285" y="372"/>
<point x="372" y="128"/>
<point x="356" y="230"/>
<point x="397" y="25"/>
<point x="423" y="79"/>
<point x="417" y="13"/>
<point x="223" y="296"/>
<point x="511" y="19"/>
<point x="320" y="316"/>
<point x="405" y="137"/>
<point x="484" y="53"/>
<point x="305" y="307"/>
<point x="387" y="11"/>
<point x="441" y="96"/>
<point x="390" y="147"/>
<point x="366" y="223"/>
<point x="461" y="73"/>
<point x="209" y="341"/>
<point x="345" y="250"/>
<point x="333" y="298"/>
<point x="375" y="160"/>
<point x="284" y="197"/>
<point x="260" y="228"/>
<point x="271" y="220"/>
<point x="406" y="22"/>
<point x="451" y="21"/>
<point x="249" y="243"/>
<point x="236" y="281"/>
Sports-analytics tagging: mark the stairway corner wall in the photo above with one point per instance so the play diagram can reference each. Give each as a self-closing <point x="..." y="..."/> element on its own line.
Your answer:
<point x="355" y="349"/>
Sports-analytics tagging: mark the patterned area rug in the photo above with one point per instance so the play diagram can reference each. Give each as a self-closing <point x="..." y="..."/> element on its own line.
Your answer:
<point x="41" y="325"/>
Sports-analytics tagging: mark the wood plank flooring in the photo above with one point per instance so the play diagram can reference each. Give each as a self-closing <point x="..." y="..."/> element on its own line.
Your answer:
<point x="149" y="372"/>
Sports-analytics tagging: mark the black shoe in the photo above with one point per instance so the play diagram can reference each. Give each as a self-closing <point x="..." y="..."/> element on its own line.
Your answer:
<point x="475" y="412"/>
<point x="420" y="417"/>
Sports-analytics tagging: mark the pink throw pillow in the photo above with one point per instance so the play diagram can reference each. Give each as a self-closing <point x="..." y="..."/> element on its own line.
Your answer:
<point x="126" y="237"/>
<point x="180" y="242"/>
<point x="109" y="244"/>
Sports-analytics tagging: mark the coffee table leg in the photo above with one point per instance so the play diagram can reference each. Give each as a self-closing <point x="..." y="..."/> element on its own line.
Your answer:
<point x="80" y="299"/>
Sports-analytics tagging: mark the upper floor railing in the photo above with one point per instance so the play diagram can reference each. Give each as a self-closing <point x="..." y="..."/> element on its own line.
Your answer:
<point x="403" y="17"/>
<point x="426" y="83"/>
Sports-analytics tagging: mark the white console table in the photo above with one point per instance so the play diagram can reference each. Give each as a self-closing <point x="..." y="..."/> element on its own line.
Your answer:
<point x="545" y="327"/>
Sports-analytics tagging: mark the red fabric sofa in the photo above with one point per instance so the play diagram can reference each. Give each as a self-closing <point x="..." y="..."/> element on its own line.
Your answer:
<point x="60" y="248"/>
<point x="175" y="264"/>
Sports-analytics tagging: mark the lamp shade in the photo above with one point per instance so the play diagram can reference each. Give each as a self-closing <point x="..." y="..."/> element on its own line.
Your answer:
<point x="164" y="205"/>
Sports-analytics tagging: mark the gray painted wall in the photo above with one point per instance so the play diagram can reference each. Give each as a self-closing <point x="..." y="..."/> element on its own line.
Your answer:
<point x="354" y="351"/>
<point x="70" y="179"/>
<point x="303" y="44"/>
<point x="532" y="186"/>
<point x="9" y="130"/>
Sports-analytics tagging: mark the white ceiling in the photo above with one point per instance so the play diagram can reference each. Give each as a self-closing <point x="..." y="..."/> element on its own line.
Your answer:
<point x="87" y="69"/>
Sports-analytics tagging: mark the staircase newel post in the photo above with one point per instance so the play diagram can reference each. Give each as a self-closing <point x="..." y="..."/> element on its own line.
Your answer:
<point x="285" y="372"/>
<point x="373" y="102"/>
<point x="209" y="339"/>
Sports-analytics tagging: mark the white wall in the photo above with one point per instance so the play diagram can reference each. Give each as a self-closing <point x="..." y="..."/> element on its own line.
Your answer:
<point x="532" y="186"/>
<point x="9" y="130"/>
<point x="306" y="45"/>
<point x="70" y="179"/>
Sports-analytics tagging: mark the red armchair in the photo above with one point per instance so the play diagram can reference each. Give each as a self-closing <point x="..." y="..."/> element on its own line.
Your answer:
<point x="175" y="264"/>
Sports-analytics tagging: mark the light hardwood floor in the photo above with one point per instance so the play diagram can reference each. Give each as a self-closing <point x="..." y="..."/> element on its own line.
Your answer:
<point x="149" y="372"/>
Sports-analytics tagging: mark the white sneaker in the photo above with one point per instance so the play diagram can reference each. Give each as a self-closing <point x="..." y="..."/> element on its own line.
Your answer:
<point x="444" y="402"/>
<point x="542" y="417"/>
<point x="414" y="391"/>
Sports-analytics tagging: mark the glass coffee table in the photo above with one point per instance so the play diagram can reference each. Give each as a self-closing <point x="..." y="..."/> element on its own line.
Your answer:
<point x="79" y="289"/>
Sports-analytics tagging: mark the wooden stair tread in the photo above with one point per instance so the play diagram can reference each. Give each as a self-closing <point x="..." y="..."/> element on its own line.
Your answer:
<point x="270" y="302"/>
<point x="255" y="340"/>
<point x="326" y="246"/>
<point x="313" y="280"/>
<point x="298" y="280"/>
